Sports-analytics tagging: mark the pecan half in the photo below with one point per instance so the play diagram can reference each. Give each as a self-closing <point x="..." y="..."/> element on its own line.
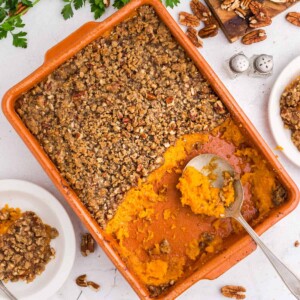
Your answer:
<point x="87" y="244"/>
<point x="261" y="17"/>
<point x="279" y="1"/>
<point x="230" y="5"/>
<point x="254" y="23"/>
<point x="240" y="12"/>
<point x="254" y="37"/>
<point x="81" y="280"/>
<point x="245" y="4"/>
<point x="293" y="18"/>
<point x="189" y="20"/>
<point x="94" y="286"/>
<point x="209" y="30"/>
<point x="297" y="244"/>
<point x="232" y="291"/>
<point x="191" y="33"/>
<point x="200" y="10"/>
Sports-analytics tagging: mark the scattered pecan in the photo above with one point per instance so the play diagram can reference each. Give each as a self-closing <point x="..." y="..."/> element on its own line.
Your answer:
<point x="255" y="36"/>
<point x="232" y="291"/>
<point x="297" y="244"/>
<point x="200" y="10"/>
<point x="209" y="30"/>
<point x="260" y="17"/>
<point x="230" y="5"/>
<point x="245" y="4"/>
<point x="94" y="286"/>
<point x="81" y="280"/>
<point x="254" y="23"/>
<point x="241" y="12"/>
<point x="191" y="33"/>
<point x="293" y="18"/>
<point x="189" y="20"/>
<point x="87" y="244"/>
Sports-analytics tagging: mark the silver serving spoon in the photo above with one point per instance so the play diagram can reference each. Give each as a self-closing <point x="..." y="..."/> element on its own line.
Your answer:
<point x="4" y="289"/>
<point x="234" y="211"/>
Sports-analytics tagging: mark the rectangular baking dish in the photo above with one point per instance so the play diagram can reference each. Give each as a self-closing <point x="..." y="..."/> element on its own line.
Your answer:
<point x="65" y="50"/>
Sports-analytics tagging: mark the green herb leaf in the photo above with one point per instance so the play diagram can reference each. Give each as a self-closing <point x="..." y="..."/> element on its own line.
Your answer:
<point x="3" y="14"/>
<point x="11" y="5"/>
<point x="27" y="3"/>
<point x="120" y="3"/>
<point x="17" y="21"/>
<point x="78" y="3"/>
<point x="19" y="39"/>
<point x="97" y="7"/>
<point x="172" y="3"/>
<point x="67" y="11"/>
<point x="3" y="33"/>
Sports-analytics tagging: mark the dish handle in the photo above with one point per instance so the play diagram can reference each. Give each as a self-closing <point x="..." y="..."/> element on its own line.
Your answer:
<point x="71" y="41"/>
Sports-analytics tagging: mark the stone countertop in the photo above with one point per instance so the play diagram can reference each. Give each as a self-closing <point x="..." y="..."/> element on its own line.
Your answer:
<point x="45" y="28"/>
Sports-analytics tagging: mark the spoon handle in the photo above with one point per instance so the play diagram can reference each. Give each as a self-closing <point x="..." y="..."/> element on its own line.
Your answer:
<point x="7" y="292"/>
<point x="288" y="277"/>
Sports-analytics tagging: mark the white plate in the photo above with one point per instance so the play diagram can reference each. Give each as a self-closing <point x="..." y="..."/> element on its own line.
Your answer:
<point x="28" y="196"/>
<point x="283" y="135"/>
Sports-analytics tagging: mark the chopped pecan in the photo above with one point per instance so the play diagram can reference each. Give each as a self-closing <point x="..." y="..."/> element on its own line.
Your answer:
<point x="150" y="96"/>
<point x="240" y="12"/>
<point x="87" y="244"/>
<point x="209" y="30"/>
<point x="81" y="280"/>
<point x="94" y="286"/>
<point x="164" y="246"/>
<point x="191" y="33"/>
<point x="254" y="37"/>
<point x="189" y="20"/>
<point x="245" y="4"/>
<point x="219" y="107"/>
<point x="232" y="291"/>
<point x="200" y="10"/>
<point x="293" y="18"/>
<point x="230" y="5"/>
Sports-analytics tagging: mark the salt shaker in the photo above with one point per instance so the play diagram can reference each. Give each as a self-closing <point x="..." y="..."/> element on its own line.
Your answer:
<point x="237" y="65"/>
<point x="261" y="65"/>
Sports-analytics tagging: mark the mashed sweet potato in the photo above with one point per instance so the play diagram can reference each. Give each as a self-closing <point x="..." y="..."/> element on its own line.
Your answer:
<point x="159" y="238"/>
<point x="203" y="198"/>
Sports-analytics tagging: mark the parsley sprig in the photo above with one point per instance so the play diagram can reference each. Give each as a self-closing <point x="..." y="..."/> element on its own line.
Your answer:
<point x="98" y="6"/>
<point x="11" y="12"/>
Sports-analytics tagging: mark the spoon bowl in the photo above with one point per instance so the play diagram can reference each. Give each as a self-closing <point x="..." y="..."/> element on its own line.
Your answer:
<point x="221" y="165"/>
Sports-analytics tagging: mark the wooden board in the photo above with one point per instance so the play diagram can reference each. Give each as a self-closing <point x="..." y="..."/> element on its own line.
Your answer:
<point x="234" y="26"/>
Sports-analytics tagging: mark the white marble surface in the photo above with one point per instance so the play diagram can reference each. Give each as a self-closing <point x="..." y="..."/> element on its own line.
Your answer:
<point x="45" y="28"/>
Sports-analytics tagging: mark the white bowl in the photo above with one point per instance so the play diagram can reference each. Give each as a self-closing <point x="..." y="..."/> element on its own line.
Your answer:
<point x="281" y="134"/>
<point x="28" y="196"/>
